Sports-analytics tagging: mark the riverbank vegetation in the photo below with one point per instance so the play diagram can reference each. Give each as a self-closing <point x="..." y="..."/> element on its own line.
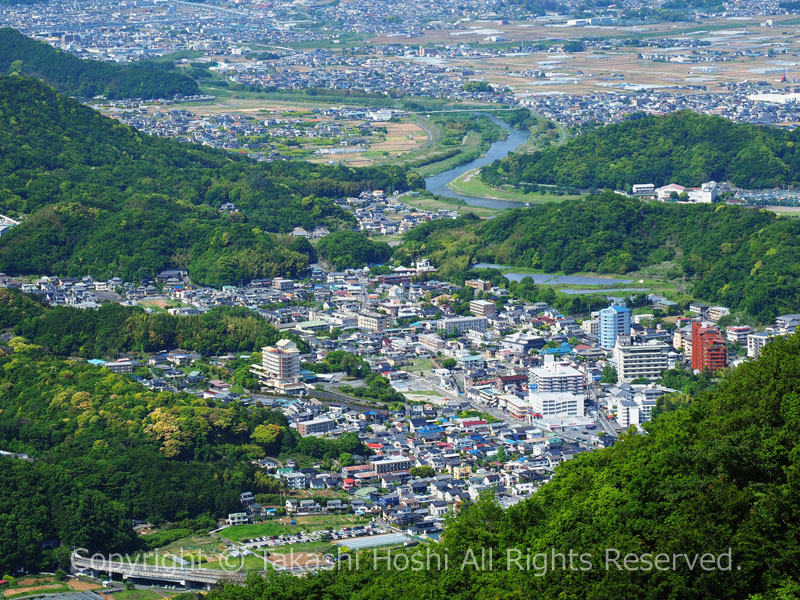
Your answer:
<point x="457" y="138"/>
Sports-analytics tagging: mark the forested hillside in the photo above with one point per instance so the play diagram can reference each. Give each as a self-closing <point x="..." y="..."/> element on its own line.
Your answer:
<point x="113" y="329"/>
<point x="108" y="450"/>
<point x="351" y="249"/>
<point x="88" y="78"/>
<point x="740" y="258"/>
<point x="682" y="147"/>
<point x="718" y="476"/>
<point x="102" y="198"/>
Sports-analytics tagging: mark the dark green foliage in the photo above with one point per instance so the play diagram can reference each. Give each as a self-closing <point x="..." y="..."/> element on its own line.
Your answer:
<point x="682" y="147"/>
<point x="376" y="387"/>
<point x="88" y="78"/>
<point x="684" y="380"/>
<point x="423" y="471"/>
<point x="352" y="249"/>
<point x="737" y="257"/>
<point x="720" y="474"/>
<point x="340" y="360"/>
<point x="321" y="448"/>
<point x="477" y="86"/>
<point x="519" y="118"/>
<point x="573" y="46"/>
<point x="609" y="375"/>
<point x="113" y="329"/>
<point x="105" y="199"/>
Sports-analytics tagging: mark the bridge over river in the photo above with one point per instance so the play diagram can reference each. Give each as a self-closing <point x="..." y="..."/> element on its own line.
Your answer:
<point x="143" y="573"/>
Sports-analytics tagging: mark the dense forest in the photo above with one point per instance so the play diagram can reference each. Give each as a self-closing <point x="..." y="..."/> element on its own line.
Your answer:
<point x="88" y="78"/>
<point x="114" y="329"/>
<point x="744" y="259"/>
<point x="719" y="475"/>
<point x="682" y="147"/>
<point x="107" y="450"/>
<point x="95" y="196"/>
<point x="351" y="249"/>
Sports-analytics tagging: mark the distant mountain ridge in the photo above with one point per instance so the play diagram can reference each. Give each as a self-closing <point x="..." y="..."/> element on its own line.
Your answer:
<point x="88" y="78"/>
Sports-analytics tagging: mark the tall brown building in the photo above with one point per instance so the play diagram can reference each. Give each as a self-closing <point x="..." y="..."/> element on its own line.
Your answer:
<point x="708" y="348"/>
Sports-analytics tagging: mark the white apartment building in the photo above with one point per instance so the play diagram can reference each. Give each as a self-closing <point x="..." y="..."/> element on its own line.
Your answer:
<point x="390" y="465"/>
<point x="557" y="404"/>
<point x="482" y="308"/>
<point x="706" y="193"/>
<point x="647" y="360"/>
<point x="639" y="409"/>
<point x="461" y="324"/>
<point x="556" y="377"/>
<point x="280" y="367"/>
<point x="738" y="334"/>
<point x="757" y="341"/>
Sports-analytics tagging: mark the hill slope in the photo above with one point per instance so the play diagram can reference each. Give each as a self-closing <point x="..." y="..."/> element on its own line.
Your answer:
<point x="719" y="476"/>
<point x="103" y="198"/>
<point x="741" y="258"/>
<point x="88" y="78"/>
<point x="683" y="147"/>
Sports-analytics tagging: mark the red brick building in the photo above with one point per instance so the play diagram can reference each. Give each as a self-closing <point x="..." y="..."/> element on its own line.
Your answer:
<point x="708" y="348"/>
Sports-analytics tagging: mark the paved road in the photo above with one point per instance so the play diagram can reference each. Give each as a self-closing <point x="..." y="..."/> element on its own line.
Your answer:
<point x="430" y="129"/>
<point x="606" y="424"/>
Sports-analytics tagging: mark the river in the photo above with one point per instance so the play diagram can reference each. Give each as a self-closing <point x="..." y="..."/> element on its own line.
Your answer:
<point x="437" y="184"/>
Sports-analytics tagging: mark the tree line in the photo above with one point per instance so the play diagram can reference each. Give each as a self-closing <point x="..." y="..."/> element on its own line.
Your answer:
<point x="114" y="329"/>
<point x="745" y="259"/>
<point x="95" y="195"/>
<point x="683" y="147"/>
<point x="89" y="78"/>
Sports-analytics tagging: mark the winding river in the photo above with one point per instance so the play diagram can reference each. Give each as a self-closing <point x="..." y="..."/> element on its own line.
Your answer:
<point x="437" y="184"/>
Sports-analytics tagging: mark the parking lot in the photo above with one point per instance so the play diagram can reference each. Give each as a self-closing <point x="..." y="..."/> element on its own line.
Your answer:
<point x="312" y="536"/>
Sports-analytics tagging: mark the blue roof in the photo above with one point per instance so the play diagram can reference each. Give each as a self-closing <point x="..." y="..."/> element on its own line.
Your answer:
<point x="564" y="348"/>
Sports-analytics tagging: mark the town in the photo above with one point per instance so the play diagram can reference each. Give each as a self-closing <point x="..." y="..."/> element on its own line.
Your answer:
<point x="492" y="397"/>
<point x="290" y="284"/>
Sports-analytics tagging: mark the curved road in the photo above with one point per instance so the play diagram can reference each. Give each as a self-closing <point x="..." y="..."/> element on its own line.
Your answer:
<point x="430" y="129"/>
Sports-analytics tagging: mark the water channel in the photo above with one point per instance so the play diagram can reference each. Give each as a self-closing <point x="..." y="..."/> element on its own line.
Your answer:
<point x="437" y="184"/>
